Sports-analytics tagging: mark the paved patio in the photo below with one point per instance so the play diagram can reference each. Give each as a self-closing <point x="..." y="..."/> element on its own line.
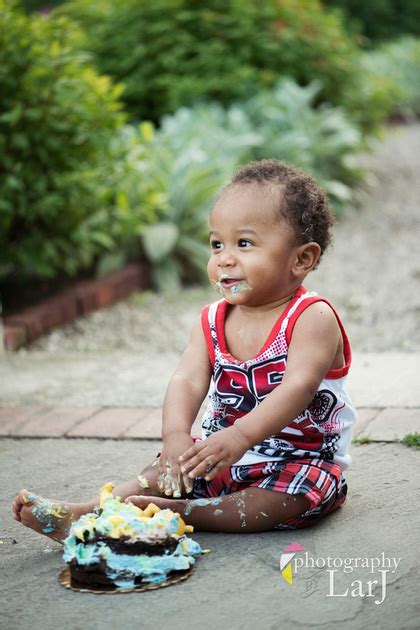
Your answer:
<point x="63" y="439"/>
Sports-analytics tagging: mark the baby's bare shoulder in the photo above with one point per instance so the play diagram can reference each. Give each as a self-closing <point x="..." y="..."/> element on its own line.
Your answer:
<point x="317" y="320"/>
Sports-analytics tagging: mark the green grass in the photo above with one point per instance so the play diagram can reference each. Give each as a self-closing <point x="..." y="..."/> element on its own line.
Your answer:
<point x="362" y="439"/>
<point x="412" y="440"/>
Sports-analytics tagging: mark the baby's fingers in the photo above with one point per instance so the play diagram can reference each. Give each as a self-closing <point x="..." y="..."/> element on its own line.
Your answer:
<point x="188" y="484"/>
<point x="191" y="453"/>
<point x="201" y="466"/>
<point x="176" y="483"/>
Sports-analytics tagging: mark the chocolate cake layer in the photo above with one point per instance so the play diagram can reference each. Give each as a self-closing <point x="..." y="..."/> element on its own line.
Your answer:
<point x="90" y="575"/>
<point x="138" y="548"/>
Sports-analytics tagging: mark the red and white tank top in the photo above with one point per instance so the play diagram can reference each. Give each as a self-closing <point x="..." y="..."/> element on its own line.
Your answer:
<point x="322" y="430"/>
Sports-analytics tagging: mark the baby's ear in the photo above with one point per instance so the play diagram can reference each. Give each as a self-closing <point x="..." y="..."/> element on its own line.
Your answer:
<point x="307" y="257"/>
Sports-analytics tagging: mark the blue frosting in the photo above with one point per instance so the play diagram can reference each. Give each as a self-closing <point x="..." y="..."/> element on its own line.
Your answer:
<point x="121" y="520"/>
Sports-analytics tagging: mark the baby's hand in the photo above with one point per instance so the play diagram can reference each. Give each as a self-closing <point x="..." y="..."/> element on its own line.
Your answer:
<point x="171" y="481"/>
<point x="209" y="457"/>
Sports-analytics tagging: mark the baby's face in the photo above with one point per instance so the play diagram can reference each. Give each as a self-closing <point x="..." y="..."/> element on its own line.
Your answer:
<point x="253" y="250"/>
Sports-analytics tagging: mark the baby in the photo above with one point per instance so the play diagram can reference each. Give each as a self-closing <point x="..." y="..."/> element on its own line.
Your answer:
<point x="277" y="428"/>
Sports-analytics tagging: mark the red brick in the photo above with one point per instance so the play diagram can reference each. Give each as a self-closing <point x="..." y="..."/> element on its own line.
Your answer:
<point x="85" y="298"/>
<point x="29" y="319"/>
<point x="148" y="426"/>
<point x="105" y="293"/>
<point x="131" y="278"/>
<point x="49" y="315"/>
<point x="66" y="303"/>
<point x="11" y="418"/>
<point x="107" y="423"/>
<point x="54" y="422"/>
<point x="14" y="336"/>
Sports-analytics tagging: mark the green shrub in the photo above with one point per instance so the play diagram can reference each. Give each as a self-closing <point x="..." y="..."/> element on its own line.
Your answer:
<point x="56" y="120"/>
<point x="171" y="53"/>
<point x="195" y="151"/>
<point x="380" y="19"/>
<point x="39" y="5"/>
<point x="398" y="63"/>
<point x="131" y="195"/>
<point x="190" y="175"/>
<point x="320" y="141"/>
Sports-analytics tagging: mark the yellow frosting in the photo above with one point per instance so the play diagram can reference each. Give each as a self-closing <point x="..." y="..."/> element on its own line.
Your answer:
<point x="117" y="523"/>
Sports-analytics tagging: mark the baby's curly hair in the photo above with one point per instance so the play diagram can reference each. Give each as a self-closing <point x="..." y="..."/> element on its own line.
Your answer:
<point x="303" y="204"/>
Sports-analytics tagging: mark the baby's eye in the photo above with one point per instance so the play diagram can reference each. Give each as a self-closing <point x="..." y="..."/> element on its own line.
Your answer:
<point x="216" y="245"/>
<point x="244" y="242"/>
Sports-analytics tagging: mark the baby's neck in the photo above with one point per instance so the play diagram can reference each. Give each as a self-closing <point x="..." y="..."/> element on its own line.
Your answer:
<point x="265" y="309"/>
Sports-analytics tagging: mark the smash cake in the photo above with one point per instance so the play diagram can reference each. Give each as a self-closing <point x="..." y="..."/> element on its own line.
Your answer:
<point x="125" y="547"/>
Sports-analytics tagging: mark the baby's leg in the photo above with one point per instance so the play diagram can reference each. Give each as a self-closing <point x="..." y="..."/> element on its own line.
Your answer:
<point x="53" y="518"/>
<point x="249" y="510"/>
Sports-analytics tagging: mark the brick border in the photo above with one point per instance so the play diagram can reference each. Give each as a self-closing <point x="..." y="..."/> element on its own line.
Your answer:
<point x="144" y="423"/>
<point x="84" y="422"/>
<point x="82" y="298"/>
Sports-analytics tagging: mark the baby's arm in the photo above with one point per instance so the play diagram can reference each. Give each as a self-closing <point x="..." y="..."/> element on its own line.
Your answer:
<point x="312" y="351"/>
<point x="184" y="395"/>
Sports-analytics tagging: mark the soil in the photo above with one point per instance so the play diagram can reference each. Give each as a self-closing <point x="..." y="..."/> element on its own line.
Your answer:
<point x="371" y="274"/>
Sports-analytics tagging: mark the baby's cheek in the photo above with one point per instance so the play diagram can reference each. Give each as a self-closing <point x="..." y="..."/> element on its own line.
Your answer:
<point x="213" y="275"/>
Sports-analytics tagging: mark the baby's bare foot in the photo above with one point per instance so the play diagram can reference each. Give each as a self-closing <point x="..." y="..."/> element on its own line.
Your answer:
<point x="50" y="518"/>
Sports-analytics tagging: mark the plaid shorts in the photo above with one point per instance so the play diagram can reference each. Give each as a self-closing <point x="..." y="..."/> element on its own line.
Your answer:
<point x="320" y="481"/>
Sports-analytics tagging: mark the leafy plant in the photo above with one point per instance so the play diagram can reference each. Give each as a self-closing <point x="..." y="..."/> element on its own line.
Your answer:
<point x="319" y="140"/>
<point x="379" y="20"/>
<point x="196" y="150"/>
<point x="57" y="116"/>
<point x="191" y="156"/>
<point x="177" y="52"/>
<point x="412" y="440"/>
<point x="362" y="439"/>
<point x="398" y="63"/>
<point x="176" y="243"/>
<point x="132" y="194"/>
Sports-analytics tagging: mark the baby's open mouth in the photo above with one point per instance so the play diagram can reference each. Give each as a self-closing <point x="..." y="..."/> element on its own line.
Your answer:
<point x="234" y="285"/>
<point x="227" y="281"/>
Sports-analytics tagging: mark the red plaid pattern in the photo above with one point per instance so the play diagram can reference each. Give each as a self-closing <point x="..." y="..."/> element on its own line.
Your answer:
<point x="321" y="482"/>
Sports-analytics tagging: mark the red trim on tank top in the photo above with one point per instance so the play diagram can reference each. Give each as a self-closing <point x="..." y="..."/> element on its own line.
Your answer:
<point x="331" y="374"/>
<point x="220" y="327"/>
<point x="205" y="324"/>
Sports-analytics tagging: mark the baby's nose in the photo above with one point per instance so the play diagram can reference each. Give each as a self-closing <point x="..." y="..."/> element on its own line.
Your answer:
<point x="226" y="258"/>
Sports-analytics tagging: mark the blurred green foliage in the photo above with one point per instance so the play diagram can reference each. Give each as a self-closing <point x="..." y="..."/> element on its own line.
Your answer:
<point x="171" y="53"/>
<point x="321" y="141"/>
<point x="39" y="5"/>
<point x="57" y="120"/>
<point x="80" y="189"/>
<point x="196" y="149"/>
<point x="379" y="20"/>
<point x="398" y="63"/>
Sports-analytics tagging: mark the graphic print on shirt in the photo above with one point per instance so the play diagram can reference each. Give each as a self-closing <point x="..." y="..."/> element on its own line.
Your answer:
<point x="320" y="430"/>
<point x="243" y="389"/>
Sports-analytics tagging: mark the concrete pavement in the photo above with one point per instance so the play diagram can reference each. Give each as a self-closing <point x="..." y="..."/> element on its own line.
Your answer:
<point x="122" y="379"/>
<point x="239" y="584"/>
